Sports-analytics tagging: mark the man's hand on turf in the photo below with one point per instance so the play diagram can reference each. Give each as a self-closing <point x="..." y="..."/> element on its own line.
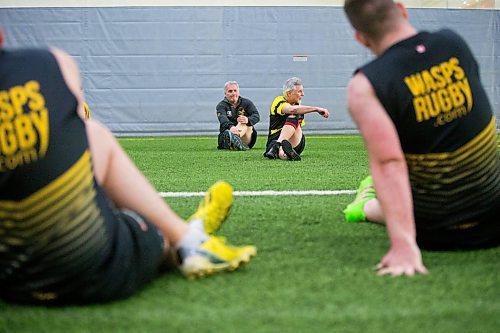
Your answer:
<point x="402" y="259"/>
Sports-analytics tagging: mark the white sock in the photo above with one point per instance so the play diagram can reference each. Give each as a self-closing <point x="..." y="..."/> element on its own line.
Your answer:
<point x="198" y="224"/>
<point x="194" y="237"/>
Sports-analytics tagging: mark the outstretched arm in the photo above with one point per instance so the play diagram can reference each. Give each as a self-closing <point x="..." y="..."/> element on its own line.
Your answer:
<point x="303" y="109"/>
<point x="390" y="175"/>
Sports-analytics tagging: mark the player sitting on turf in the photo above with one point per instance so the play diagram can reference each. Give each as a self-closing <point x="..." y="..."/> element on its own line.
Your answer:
<point x="79" y="223"/>
<point x="431" y="137"/>
<point x="285" y="138"/>
<point x="237" y="117"/>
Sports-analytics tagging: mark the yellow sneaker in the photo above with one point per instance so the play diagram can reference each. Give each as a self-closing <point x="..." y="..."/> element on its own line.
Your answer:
<point x="354" y="211"/>
<point x="214" y="256"/>
<point x="215" y="207"/>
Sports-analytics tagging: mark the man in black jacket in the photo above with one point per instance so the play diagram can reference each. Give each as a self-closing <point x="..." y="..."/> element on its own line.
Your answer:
<point x="237" y="117"/>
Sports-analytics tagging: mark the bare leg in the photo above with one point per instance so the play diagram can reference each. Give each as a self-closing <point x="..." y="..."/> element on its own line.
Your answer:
<point x="291" y="134"/>
<point x="296" y="137"/>
<point x="245" y="133"/>
<point x="373" y="211"/>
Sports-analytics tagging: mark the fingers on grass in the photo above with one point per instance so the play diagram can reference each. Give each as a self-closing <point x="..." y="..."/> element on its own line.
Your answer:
<point x="400" y="270"/>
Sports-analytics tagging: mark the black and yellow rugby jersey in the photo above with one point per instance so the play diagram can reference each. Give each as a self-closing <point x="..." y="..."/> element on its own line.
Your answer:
<point x="52" y="213"/>
<point x="277" y="118"/>
<point x="430" y="86"/>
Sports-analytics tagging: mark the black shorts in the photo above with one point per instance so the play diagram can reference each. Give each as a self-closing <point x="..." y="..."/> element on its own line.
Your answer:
<point x="302" y="144"/>
<point x="135" y="262"/>
<point x="132" y="259"/>
<point x="253" y="139"/>
<point x="483" y="232"/>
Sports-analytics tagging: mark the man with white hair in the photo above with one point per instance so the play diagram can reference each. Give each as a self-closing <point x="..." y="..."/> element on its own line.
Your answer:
<point x="237" y="117"/>
<point x="285" y="138"/>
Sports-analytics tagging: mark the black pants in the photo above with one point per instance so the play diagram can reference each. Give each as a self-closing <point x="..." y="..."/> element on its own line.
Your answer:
<point x="133" y="260"/>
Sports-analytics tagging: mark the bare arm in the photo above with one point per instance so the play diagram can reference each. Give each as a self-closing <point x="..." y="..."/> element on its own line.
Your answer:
<point x="303" y="109"/>
<point x="390" y="175"/>
<point x="114" y="171"/>
<point x="126" y="186"/>
<point x="71" y="75"/>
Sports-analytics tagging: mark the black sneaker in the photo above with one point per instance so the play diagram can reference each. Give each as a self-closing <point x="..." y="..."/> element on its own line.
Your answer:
<point x="237" y="143"/>
<point x="289" y="151"/>
<point x="272" y="153"/>
<point x="226" y="139"/>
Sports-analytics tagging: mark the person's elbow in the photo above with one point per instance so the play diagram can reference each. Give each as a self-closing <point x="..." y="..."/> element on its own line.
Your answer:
<point x="389" y="163"/>
<point x="291" y="110"/>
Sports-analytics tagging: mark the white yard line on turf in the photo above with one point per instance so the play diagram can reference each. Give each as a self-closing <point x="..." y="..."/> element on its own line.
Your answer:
<point x="258" y="193"/>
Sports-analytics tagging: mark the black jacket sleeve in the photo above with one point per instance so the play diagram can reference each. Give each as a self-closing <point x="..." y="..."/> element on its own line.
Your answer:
<point x="225" y="122"/>
<point x="253" y="114"/>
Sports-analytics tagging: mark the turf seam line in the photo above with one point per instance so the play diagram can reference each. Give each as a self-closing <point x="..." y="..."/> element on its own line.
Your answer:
<point x="259" y="193"/>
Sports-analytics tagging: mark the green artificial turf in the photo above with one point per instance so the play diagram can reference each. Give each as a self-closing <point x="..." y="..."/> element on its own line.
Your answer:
<point x="313" y="272"/>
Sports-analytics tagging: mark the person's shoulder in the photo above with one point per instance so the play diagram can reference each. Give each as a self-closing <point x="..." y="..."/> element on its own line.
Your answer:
<point x="246" y="100"/>
<point x="28" y="53"/>
<point x="278" y="103"/>
<point x="28" y="57"/>
<point x="279" y="98"/>
<point x="447" y="35"/>
<point x="446" y="32"/>
<point x="359" y="82"/>
<point x="222" y="103"/>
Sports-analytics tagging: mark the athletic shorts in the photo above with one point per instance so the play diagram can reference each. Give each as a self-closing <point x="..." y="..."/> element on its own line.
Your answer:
<point x="134" y="258"/>
<point x="302" y="144"/>
<point x="136" y="261"/>
<point x="253" y="139"/>
<point x="481" y="233"/>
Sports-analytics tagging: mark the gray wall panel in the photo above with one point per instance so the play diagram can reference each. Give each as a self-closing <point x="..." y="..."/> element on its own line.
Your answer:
<point x="160" y="70"/>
